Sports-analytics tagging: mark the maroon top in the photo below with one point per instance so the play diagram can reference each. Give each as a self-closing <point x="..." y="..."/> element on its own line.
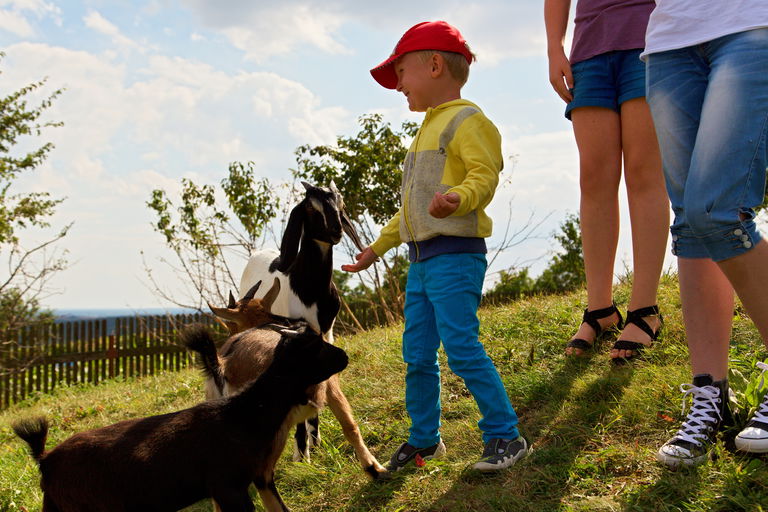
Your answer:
<point x="608" y="25"/>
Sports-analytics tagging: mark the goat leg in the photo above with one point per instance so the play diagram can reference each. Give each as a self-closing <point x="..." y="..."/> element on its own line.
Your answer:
<point x="269" y="495"/>
<point x="234" y="501"/>
<point x="340" y="407"/>
<point x="306" y="436"/>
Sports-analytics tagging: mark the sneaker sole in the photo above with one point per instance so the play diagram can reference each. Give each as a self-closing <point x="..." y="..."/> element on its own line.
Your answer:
<point x="487" y="468"/>
<point x="751" y="445"/>
<point x="676" y="462"/>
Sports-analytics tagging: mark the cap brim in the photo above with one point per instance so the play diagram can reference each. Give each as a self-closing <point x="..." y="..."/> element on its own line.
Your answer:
<point x="385" y="74"/>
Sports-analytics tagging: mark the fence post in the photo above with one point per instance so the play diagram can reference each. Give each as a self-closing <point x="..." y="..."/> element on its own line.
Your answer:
<point x="112" y="356"/>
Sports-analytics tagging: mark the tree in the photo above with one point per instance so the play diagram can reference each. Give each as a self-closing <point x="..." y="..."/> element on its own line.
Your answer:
<point x="203" y="235"/>
<point x="367" y="170"/>
<point x="565" y="271"/>
<point x="30" y="265"/>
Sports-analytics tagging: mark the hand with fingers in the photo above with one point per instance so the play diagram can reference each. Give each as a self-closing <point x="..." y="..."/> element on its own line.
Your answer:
<point x="364" y="260"/>
<point x="560" y="75"/>
<point x="443" y="205"/>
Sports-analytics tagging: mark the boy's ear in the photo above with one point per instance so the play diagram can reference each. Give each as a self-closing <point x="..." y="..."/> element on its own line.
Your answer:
<point x="436" y="65"/>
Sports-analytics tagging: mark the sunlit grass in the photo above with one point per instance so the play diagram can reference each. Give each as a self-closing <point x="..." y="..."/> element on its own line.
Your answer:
<point x="594" y="429"/>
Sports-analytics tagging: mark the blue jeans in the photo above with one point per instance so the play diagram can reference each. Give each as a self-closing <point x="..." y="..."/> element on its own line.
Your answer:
<point x="441" y="300"/>
<point x="710" y="107"/>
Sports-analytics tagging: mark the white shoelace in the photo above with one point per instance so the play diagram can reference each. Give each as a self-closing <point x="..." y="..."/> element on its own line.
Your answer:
<point x="704" y="411"/>
<point x="761" y="414"/>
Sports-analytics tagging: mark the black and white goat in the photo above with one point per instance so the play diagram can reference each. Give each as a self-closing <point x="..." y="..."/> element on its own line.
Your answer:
<point x="304" y="264"/>
<point x="215" y="449"/>
<point x="249" y="351"/>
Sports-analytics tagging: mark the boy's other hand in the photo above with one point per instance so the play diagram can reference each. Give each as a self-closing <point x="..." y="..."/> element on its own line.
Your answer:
<point x="560" y="75"/>
<point x="364" y="260"/>
<point x="443" y="205"/>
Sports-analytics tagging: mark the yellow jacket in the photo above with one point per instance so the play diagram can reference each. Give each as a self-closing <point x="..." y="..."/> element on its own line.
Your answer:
<point x="457" y="149"/>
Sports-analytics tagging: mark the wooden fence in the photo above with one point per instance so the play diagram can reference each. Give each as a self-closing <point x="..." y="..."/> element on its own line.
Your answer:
<point x="36" y="360"/>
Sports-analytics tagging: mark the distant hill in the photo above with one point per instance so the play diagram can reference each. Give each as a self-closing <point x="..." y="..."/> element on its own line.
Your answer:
<point x="69" y="315"/>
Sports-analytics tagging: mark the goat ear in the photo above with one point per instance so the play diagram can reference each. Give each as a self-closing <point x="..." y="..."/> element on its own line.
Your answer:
<point x="289" y="246"/>
<point x="252" y="291"/>
<point x="223" y="314"/>
<point x="232" y="303"/>
<point x="332" y="186"/>
<point x="307" y="186"/>
<point x="271" y="295"/>
<point x="349" y="229"/>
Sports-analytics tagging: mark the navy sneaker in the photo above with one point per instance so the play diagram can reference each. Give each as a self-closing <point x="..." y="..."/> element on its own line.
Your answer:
<point x="692" y="443"/>
<point x="501" y="453"/>
<point x="407" y="453"/>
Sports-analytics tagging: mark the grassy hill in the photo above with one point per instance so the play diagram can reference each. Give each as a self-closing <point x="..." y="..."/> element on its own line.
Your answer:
<point x="594" y="429"/>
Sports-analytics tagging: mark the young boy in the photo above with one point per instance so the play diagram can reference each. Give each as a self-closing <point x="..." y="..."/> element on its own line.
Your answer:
<point x="449" y="177"/>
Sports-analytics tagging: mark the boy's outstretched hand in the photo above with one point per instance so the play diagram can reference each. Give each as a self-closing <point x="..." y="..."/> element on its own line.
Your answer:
<point x="364" y="260"/>
<point x="443" y="205"/>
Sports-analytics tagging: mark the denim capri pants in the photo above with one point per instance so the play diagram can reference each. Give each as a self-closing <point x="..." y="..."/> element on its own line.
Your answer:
<point x="710" y="107"/>
<point x="607" y="80"/>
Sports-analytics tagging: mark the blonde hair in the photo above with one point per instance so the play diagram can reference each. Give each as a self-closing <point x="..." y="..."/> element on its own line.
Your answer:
<point x="456" y="63"/>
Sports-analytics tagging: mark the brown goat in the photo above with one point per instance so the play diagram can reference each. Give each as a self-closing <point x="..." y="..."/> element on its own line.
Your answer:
<point x="214" y="449"/>
<point x="248" y="352"/>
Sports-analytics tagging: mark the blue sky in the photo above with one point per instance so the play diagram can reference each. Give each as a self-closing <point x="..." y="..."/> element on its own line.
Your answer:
<point x="159" y="90"/>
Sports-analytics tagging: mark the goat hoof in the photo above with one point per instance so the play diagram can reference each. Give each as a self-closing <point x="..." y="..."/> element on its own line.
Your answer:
<point x="377" y="473"/>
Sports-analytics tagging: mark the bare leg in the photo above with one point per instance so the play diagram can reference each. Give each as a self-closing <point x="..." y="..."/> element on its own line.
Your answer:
<point x="598" y="136"/>
<point x="748" y="273"/>
<point x="648" y="212"/>
<point x="707" y="299"/>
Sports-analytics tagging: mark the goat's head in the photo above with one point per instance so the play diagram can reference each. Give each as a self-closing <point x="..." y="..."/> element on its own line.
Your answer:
<point x="249" y="312"/>
<point x="305" y="358"/>
<point x="324" y="216"/>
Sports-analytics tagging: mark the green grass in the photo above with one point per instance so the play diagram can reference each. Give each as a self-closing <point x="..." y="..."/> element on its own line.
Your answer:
<point x="594" y="429"/>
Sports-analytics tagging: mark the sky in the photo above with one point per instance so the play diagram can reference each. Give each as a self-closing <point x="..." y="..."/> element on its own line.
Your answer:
<point x="160" y="90"/>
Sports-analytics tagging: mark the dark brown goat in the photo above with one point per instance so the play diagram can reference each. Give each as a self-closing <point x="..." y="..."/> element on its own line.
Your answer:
<point x="168" y="462"/>
<point x="249" y="351"/>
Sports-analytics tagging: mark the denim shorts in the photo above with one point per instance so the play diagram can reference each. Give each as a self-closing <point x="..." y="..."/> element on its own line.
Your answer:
<point x="710" y="107"/>
<point x="607" y="80"/>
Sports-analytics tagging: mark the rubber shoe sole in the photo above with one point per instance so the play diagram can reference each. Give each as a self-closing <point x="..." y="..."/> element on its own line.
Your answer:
<point x="752" y="440"/>
<point x="503" y="462"/>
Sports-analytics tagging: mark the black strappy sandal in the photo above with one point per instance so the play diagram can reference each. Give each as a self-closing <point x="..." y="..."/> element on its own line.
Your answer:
<point x="591" y="318"/>
<point x="636" y="317"/>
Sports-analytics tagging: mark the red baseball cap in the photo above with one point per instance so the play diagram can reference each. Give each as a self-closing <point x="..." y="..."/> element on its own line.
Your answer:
<point x="428" y="35"/>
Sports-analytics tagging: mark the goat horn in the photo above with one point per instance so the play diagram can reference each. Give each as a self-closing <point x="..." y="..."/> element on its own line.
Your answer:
<point x="252" y="291"/>
<point x="349" y="229"/>
<point x="232" y="303"/>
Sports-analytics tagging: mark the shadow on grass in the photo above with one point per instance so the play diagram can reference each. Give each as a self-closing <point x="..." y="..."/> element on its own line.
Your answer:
<point x="559" y="423"/>
<point x="674" y="490"/>
<point x="376" y="494"/>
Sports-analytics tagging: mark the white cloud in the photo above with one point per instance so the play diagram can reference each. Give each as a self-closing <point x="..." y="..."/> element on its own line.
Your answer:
<point x="495" y="30"/>
<point x="14" y="15"/>
<point x="97" y="22"/>
<point x="16" y="23"/>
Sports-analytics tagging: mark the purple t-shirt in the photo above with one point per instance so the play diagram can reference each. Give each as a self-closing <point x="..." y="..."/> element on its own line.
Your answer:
<point x="609" y="25"/>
